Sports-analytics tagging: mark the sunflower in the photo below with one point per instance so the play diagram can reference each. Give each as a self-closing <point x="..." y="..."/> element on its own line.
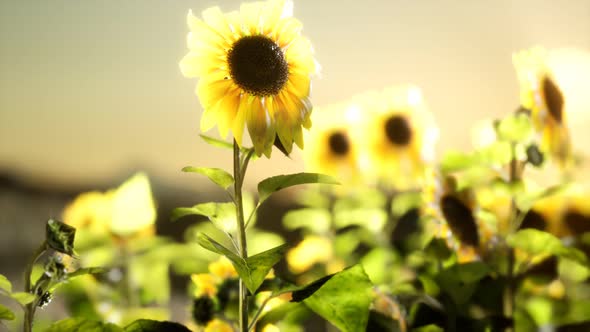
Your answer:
<point x="563" y="215"/>
<point x="255" y="68"/>
<point x="455" y="215"/>
<point x="400" y="135"/>
<point x="312" y="250"/>
<point x="332" y="147"/>
<point x="540" y="93"/>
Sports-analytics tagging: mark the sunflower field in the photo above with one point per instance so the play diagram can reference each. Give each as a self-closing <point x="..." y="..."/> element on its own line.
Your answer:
<point x="383" y="234"/>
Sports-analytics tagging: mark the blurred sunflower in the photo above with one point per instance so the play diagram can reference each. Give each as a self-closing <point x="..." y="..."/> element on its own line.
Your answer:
<point x="540" y="94"/>
<point x="90" y="211"/>
<point x="128" y="211"/>
<point x="332" y="147"/>
<point x="312" y="250"/>
<point x="563" y="214"/>
<point x="400" y="135"/>
<point x="454" y="213"/>
<point x="254" y="67"/>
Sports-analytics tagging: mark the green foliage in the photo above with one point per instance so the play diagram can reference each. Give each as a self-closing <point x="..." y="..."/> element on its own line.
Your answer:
<point x="314" y="220"/>
<point x="273" y="184"/>
<point x="344" y="299"/>
<point x="23" y="298"/>
<point x="216" y="142"/>
<point x="82" y="324"/>
<point x="220" y="177"/>
<point x="146" y="325"/>
<point x="222" y="215"/>
<point x="254" y="269"/>
<point x="515" y="128"/>
<point x="60" y="237"/>
<point x="140" y="325"/>
<point x="5" y="284"/>
<point x="535" y="242"/>
<point x="6" y="314"/>
<point x="460" y="280"/>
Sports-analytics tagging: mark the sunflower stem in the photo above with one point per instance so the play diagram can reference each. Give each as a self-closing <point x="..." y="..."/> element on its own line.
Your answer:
<point x="510" y="291"/>
<point x="30" y="308"/>
<point x="239" y="174"/>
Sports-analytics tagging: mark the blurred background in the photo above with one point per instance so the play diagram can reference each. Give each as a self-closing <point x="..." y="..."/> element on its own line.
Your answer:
<point x="90" y="92"/>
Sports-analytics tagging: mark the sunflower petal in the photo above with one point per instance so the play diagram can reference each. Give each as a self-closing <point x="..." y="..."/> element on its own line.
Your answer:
<point x="261" y="129"/>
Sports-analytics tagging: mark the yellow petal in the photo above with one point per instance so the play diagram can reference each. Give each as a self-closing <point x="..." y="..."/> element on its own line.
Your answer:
<point x="215" y="18"/>
<point x="211" y="89"/>
<point x="251" y="13"/>
<point x="227" y="108"/>
<point x="239" y="120"/>
<point x="133" y="206"/>
<point x="260" y="127"/>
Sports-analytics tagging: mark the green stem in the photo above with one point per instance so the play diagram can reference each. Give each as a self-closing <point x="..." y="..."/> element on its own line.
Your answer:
<point x="30" y="308"/>
<point x="510" y="292"/>
<point x="128" y="289"/>
<point x="239" y="173"/>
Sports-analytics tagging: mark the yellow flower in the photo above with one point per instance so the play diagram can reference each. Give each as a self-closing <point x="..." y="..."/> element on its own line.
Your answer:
<point x="218" y="325"/>
<point x="254" y="67"/>
<point x="564" y="214"/>
<point x="270" y="328"/>
<point x="540" y="94"/>
<point x="331" y="147"/>
<point x="134" y="210"/>
<point x="222" y="268"/>
<point x="400" y="135"/>
<point x="91" y="210"/>
<point x="126" y="211"/>
<point x="454" y="212"/>
<point x="205" y="284"/>
<point x="313" y="249"/>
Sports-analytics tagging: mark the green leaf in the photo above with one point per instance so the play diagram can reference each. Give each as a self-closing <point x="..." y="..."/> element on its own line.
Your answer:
<point x="259" y="265"/>
<point x="82" y="324"/>
<point x="5" y="284"/>
<point x="316" y="220"/>
<point x="456" y="160"/>
<point x="222" y="215"/>
<point x="428" y="328"/>
<point x="147" y="325"/>
<point x="460" y="280"/>
<point x="23" y="298"/>
<point x="60" y="237"/>
<point x="6" y="313"/>
<point x="536" y="242"/>
<point x="254" y="268"/>
<point x="216" y="142"/>
<point x="526" y="201"/>
<point x="273" y="184"/>
<point x="210" y="244"/>
<point x="87" y="270"/>
<point x="515" y="128"/>
<point x="344" y="299"/>
<point x="217" y="175"/>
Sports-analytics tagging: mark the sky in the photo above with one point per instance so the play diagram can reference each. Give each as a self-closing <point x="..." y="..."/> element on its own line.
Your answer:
<point x="90" y="89"/>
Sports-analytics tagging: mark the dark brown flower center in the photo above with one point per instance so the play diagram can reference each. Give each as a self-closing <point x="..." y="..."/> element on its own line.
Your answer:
<point x="553" y="99"/>
<point x="339" y="144"/>
<point x="257" y="64"/>
<point x="460" y="219"/>
<point x="398" y="131"/>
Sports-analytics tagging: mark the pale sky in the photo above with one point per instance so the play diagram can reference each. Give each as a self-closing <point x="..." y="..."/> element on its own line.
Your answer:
<point x="89" y="89"/>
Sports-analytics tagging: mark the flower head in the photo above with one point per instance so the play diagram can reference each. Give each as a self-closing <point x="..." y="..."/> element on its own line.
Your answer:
<point x="312" y="250"/>
<point x="454" y="212"/>
<point x="400" y="135"/>
<point x="254" y="67"/>
<point x="540" y="93"/>
<point x="128" y="211"/>
<point x="332" y="146"/>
